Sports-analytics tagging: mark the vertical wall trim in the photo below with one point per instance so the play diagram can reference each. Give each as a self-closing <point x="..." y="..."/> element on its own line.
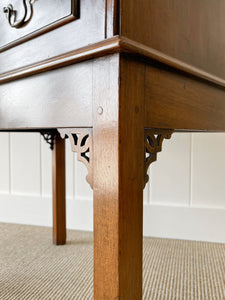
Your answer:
<point x="41" y="177"/>
<point x="149" y="187"/>
<point x="146" y="194"/>
<point x="73" y="162"/>
<point x="191" y="170"/>
<point x="74" y="176"/>
<point x="10" y="164"/>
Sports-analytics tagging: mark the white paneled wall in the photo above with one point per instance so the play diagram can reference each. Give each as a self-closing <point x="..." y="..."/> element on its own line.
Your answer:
<point x="184" y="199"/>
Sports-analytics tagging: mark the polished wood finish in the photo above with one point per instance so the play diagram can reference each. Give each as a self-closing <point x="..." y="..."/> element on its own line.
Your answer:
<point x="106" y="205"/>
<point x="59" y="200"/>
<point x="105" y="47"/>
<point x="174" y="100"/>
<point x="42" y="16"/>
<point x="165" y="26"/>
<point x="109" y="46"/>
<point x="88" y="29"/>
<point x="118" y="178"/>
<point x="122" y="70"/>
<point x="153" y="55"/>
<point x="61" y="98"/>
<point x="191" y="31"/>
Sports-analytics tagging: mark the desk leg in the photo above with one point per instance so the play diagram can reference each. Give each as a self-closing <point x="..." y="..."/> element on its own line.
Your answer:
<point x="58" y="182"/>
<point x="118" y="149"/>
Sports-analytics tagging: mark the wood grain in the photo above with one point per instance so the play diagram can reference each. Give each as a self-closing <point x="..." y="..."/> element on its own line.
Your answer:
<point x="60" y="98"/>
<point x="131" y="145"/>
<point x="159" y="29"/>
<point x="109" y="46"/>
<point x="105" y="178"/>
<point x="47" y="16"/>
<point x="59" y="197"/>
<point x="88" y="29"/>
<point x="172" y="77"/>
<point x="102" y="48"/>
<point x="177" y="101"/>
<point x="190" y="31"/>
<point x="153" y="55"/>
<point x="118" y="137"/>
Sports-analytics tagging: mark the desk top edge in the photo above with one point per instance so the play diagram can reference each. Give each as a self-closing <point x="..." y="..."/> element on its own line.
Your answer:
<point x="112" y="45"/>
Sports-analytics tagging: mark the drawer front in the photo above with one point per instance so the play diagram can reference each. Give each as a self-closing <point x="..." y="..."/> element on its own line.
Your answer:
<point x="29" y="45"/>
<point x="21" y="20"/>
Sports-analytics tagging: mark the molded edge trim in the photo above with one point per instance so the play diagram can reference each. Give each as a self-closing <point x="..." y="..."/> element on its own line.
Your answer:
<point x="131" y="46"/>
<point x="110" y="46"/>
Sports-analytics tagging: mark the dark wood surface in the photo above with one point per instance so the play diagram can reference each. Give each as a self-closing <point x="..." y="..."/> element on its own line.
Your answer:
<point x="191" y="31"/>
<point x="105" y="47"/>
<point x="59" y="193"/>
<point x="173" y="100"/>
<point x="121" y="67"/>
<point x="89" y="28"/>
<point x="61" y="98"/>
<point x="42" y="16"/>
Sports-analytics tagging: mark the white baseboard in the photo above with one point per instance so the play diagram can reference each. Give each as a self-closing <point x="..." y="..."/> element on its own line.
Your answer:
<point x="36" y="210"/>
<point x="202" y="224"/>
<point x="25" y="209"/>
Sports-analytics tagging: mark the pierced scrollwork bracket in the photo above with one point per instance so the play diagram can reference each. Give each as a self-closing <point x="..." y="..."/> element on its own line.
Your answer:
<point x="153" y="144"/>
<point x="81" y="143"/>
<point x="49" y="137"/>
<point x="11" y="14"/>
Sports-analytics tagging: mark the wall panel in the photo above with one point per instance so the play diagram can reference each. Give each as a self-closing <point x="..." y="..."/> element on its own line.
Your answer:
<point x="46" y="174"/>
<point x="170" y="174"/>
<point x="25" y="164"/>
<point x="208" y="180"/>
<point x="4" y="163"/>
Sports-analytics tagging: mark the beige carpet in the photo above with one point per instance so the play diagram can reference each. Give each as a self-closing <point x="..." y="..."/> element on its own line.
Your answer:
<point x="32" y="268"/>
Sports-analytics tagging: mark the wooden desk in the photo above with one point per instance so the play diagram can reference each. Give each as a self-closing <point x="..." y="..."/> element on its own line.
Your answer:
<point x="116" y="78"/>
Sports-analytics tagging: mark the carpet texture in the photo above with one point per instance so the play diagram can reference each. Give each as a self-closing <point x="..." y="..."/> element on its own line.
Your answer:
<point x="32" y="268"/>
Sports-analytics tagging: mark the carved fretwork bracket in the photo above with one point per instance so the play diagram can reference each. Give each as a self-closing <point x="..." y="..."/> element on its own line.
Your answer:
<point x="81" y="143"/>
<point x="153" y="144"/>
<point x="49" y="137"/>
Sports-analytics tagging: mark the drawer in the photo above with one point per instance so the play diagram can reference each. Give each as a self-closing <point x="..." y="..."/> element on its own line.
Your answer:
<point x="22" y="20"/>
<point x="55" y="28"/>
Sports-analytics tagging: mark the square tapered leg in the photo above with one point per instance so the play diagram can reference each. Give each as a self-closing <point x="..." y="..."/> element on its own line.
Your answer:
<point x="58" y="182"/>
<point x="118" y="143"/>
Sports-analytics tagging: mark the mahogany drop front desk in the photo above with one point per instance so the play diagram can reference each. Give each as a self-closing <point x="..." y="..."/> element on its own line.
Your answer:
<point x="116" y="78"/>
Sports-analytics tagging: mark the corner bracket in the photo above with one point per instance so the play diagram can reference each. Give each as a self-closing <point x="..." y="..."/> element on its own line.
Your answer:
<point x="49" y="137"/>
<point x="153" y="139"/>
<point x="81" y="143"/>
